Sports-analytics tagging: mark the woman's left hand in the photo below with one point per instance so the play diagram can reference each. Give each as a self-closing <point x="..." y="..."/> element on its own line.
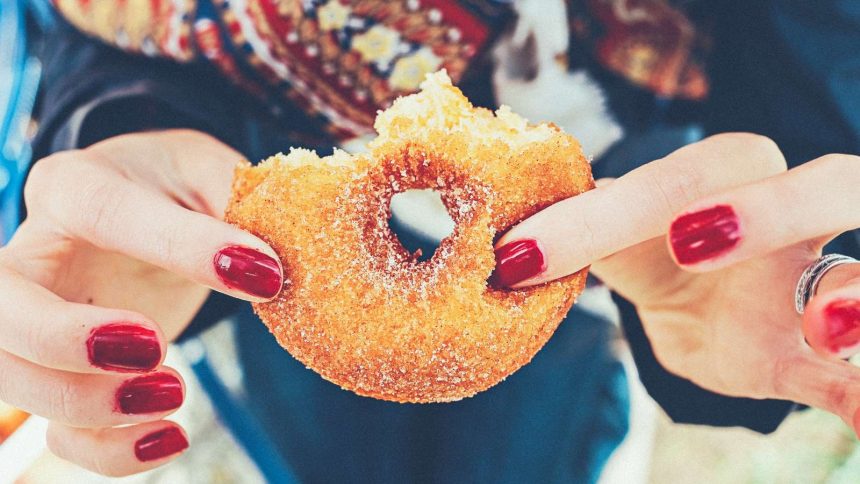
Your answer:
<point x="717" y="298"/>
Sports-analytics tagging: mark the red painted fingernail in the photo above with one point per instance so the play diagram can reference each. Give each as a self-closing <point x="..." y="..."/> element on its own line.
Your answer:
<point x="705" y="234"/>
<point x="160" y="444"/>
<point x="160" y="392"/>
<point x="124" y="347"/>
<point x="516" y="262"/>
<point x="842" y="317"/>
<point x="249" y="271"/>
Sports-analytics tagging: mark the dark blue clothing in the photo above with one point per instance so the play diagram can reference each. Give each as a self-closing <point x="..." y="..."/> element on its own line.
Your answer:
<point x="785" y="69"/>
<point x="554" y="421"/>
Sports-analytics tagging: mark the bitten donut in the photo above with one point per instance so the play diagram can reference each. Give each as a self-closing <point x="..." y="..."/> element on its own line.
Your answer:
<point x="356" y="306"/>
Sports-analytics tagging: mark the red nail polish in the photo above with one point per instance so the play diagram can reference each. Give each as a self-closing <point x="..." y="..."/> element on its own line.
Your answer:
<point x="249" y="271"/>
<point x="160" y="392"/>
<point x="160" y="444"/>
<point x="705" y="234"/>
<point x="516" y="262"/>
<point x="124" y="347"/>
<point x="842" y="318"/>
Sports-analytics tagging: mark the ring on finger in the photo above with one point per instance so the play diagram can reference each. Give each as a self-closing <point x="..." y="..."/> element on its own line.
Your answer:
<point x="807" y="285"/>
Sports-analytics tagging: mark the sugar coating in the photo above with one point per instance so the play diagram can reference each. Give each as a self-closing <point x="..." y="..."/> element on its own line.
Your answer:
<point x="356" y="306"/>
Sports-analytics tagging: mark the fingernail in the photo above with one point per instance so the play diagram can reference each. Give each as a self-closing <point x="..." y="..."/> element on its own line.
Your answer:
<point x="160" y="444"/>
<point x="124" y="347"/>
<point x="516" y="262"/>
<point x="249" y="271"/>
<point x="150" y="394"/>
<point x="705" y="234"/>
<point x="842" y="317"/>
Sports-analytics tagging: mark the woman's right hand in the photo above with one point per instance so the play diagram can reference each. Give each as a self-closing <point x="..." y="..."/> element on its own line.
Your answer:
<point x="121" y="245"/>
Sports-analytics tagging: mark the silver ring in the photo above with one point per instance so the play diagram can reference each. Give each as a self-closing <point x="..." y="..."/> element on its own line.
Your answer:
<point x="807" y="285"/>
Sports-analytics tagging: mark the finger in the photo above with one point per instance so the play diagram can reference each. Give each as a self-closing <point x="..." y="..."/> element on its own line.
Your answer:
<point x="831" y="320"/>
<point x="82" y="400"/>
<point x="571" y="234"/>
<point x="817" y="199"/>
<point x="188" y="154"/>
<point x="659" y="281"/>
<point x="831" y="385"/>
<point x="42" y="328"/>
<point x="118" y="452"/>
<point x="115" y="214"/>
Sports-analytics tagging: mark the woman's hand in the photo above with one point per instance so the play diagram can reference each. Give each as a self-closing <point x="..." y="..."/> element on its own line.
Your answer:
<point x="709" y="243"/>
<point x="121" y="245"/>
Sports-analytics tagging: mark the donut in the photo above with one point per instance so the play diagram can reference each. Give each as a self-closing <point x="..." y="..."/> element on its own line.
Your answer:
<point x="10" y="419"/>
<point x="365" y="313"/>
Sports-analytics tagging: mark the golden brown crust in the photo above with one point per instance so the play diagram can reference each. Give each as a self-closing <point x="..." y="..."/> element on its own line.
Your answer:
<point x="10" y="419"/>
<point x="359" y="310"/>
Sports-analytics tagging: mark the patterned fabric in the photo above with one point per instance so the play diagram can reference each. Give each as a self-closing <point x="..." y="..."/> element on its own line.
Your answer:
<point x="649" y="42"/>
<point x="340" y="61"/>
<point x="151" y="27"/>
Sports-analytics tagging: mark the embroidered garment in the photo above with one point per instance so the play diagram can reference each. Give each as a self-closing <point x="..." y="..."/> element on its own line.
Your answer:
<point x="340" y="61"/>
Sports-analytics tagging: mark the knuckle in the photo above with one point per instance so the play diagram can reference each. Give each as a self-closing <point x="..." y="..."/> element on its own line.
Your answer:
<point x="54" y="440"/>
<point x="782" y="368"/>
<point x="63" y="443"/>
<point x="746" y="139"/>
<point x="43" y="176"/>
<point x="758" y="149"/>
<point x="171" y="251"/>
<point x="97" y="202"/>
<point x="63" y="402"/>
<point x="666" y="346"/>
<point x="57" y="442"/>
<point x="839" y="165"/>
<point x="35" y="339"/>
<point x="837" y="393"/>
<point x="49" y="182"/>
<point x="102" y="465"/>
<point x="669" y="194"/>
<point x="192" y="135"/>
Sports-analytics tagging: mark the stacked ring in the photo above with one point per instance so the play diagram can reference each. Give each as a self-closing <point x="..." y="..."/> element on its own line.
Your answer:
<point x="807" y="285"/>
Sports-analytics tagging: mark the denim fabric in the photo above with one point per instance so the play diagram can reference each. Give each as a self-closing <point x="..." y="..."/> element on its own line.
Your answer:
<point x="556" y="420"/>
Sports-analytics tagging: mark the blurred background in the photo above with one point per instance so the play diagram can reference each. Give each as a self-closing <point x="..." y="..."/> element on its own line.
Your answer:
<point x="810" y="446"/>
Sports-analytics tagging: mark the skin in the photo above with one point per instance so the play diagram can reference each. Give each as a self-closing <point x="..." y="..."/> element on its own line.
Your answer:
<point x="728" y="324"/>
<point x="126" y="231"/>
<point x="123" y="231"/>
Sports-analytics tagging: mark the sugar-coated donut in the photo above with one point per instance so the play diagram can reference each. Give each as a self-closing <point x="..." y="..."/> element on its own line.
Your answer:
<point x="10" y="419"/>
<point x="356" y="306"/>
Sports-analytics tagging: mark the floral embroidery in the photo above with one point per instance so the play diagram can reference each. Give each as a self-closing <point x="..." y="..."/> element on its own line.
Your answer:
<point x="409" y="71"/>
<point x="338" y="61"/>
<point x="151" y="27"/>
<point x="379" y="44"/>
<point x="333" y="15"/>
<point x="651" y="43"/>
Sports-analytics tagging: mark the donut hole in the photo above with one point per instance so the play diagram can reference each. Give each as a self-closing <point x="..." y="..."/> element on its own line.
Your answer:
<point x="420" y="221"/>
